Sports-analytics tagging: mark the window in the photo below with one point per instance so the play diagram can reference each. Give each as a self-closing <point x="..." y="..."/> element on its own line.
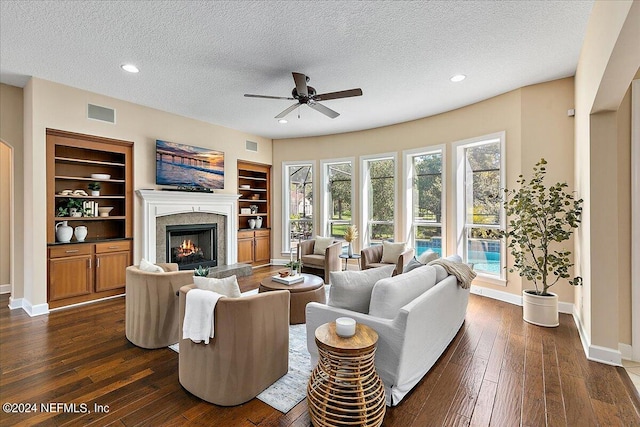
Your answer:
<point x="298" y="204"/>
<point x="425" y="199"/>
<point x="479" y="179"/>
<point x="338" y="197"/>
<point x="379" y="198"/>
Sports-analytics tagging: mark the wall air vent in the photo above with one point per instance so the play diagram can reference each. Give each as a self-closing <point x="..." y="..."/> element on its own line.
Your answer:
<point x="251" y="146"/>
<point x="103" y="114"/>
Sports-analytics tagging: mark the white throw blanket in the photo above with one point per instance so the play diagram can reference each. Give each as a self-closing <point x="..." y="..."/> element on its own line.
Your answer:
<point x="198" y="315"/>
<point x="462" y="271"/>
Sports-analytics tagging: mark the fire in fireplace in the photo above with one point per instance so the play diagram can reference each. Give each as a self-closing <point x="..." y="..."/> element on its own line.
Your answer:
<point x="191" y="246"/>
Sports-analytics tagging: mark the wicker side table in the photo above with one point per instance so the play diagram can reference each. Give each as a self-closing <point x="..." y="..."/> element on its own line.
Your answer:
<point x="344" y="388"/>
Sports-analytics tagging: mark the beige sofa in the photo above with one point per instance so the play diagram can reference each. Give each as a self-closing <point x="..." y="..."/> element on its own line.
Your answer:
<point x="151" y="313"/>
<point x="248" y="353"/>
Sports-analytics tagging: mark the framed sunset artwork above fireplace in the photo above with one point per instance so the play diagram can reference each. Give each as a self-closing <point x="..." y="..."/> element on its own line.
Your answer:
<point x="188" y="166"/>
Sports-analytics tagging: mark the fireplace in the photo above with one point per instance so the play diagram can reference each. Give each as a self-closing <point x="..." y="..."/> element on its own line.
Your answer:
<point x="192" y="245"/>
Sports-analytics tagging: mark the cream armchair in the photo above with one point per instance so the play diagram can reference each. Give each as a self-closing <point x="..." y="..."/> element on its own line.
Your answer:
<point x="371" y="257"/>
<point x="248" y="353"/>
<point x="328" y="262"/>
<point x="151" y="305"/>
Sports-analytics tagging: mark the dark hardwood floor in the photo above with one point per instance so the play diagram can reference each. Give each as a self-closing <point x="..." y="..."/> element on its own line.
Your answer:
<point x="498" y="371"/>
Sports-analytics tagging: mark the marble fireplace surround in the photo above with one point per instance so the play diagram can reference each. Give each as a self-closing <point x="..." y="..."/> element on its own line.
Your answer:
<point x="157" y="204"/>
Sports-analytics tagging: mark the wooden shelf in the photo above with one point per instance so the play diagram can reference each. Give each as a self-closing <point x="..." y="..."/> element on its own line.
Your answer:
<point x="60" y="196"/>
<point x="82" y="178"/>
<point x="251" y="178"/>
<point x="255" y="214"/>
<point x="87" y="162"/>
<point x="251" y="200"/>
<point x="254" y="190"/>
<point x="88" y="218"/>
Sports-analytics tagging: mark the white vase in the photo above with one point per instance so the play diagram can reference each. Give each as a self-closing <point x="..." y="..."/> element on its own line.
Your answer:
<point x="95" y="193"/>
<point x="252" y="223"/>
<point x="63" y="232"/>
<point x="80" y="232"/>
<point x="540" y="310"/>
<point x="350" y="250"/>
<point x="259" y="222"/>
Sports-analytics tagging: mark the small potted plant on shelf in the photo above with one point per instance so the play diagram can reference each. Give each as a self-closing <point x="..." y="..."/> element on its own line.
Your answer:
<point x="95" y="188"/>
<point x="75" y="207"/>
<point x="62" y="212"/>
<point x="540" y="218"/>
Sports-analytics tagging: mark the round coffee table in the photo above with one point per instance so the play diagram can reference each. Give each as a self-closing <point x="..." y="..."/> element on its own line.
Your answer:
<point x="344" y="388"/>
<point x="311" y="290"/>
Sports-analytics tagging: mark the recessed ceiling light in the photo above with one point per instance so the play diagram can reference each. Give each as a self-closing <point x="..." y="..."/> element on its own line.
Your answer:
<point x="283" y="121"/>
<point x="130" y="68"/>
<point x="458" y="78"/>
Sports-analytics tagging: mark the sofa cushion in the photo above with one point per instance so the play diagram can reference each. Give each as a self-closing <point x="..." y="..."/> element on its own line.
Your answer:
<point x="391" y="251"/>
<point x="149" y="267"/>
<point x="227" y="286"/>
<point x="427" y="256"/>
<point x="321" y="244"/>
<point x="441" y="273"/>
<point x="316" y="261"/>
<point x="390" y="295"/>
<point x="351" y="290"/>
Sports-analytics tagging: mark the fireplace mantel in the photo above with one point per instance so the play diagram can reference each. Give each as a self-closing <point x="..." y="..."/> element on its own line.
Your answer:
<point x="161" y="203"/>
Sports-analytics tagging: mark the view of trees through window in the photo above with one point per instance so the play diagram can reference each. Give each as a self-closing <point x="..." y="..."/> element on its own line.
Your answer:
<point x="482" y="206"/>
<point x="339" y="177"/>
<point x="300" y="203"/>
<point x="381" y="194"/>
<point x="427" y="202"/>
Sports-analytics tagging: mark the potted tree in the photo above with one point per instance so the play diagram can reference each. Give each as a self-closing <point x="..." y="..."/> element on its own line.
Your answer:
<point x="539" y="219"/>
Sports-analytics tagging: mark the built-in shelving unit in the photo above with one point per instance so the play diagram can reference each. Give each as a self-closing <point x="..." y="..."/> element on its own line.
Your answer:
<point x="254" y="187"/>
<point x="94" y="268"/>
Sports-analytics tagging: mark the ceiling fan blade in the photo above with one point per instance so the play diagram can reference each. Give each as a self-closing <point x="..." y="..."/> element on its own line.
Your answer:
<point x="301" y="84"/>
<point x="340" y="94"/>
<point x="324" y="110"/>
<point x="288" y="110"/>
<point x="249" y="95"/>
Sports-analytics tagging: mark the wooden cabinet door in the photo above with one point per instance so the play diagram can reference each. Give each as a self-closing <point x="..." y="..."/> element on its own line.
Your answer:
<point x="110" y="270"/>
<point x="245" y="248"/>
<point x="70" y="277"/>
<point x="262" y="253"/>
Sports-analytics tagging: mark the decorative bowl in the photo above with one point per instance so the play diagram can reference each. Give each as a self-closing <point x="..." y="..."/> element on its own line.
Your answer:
<point x="100" y="176"/>
<point x="245" y="187"/>
<point x="283" y="273"/>
<point x="104" y="210"/>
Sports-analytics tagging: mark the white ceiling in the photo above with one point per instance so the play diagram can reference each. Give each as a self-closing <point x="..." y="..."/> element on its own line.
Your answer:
<point x="198" y="58"/>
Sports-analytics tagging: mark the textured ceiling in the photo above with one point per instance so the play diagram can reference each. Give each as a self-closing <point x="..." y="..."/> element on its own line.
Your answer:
<point x="198" y="58"/>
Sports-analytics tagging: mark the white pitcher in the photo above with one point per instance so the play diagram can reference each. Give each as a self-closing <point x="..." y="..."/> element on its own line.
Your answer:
<point x="80" y="232"/>
<point x="252" y="223"/>
<point x="259" y="222"/>
<point x="63" y="232"/>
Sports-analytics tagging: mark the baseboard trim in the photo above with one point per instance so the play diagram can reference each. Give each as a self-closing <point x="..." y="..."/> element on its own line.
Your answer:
<point x="86" y="302"/>
<point x="34" y="310"/>
<point x="15" y="303"/>
<point x="626" y="351"/>
<point x="5" y="289"/>
<point x="563" y="307"/>
<point x="596" y="353"/>
<point x="279" y="262"/>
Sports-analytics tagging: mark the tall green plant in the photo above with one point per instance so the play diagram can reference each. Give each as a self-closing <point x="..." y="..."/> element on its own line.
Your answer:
<point x="540" y="217"/>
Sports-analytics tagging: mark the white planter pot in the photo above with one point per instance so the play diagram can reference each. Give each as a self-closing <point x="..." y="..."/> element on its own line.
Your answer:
<point x="540" y="310"/>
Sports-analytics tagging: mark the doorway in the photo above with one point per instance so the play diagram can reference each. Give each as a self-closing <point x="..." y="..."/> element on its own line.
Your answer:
<point x="6" y="217"/>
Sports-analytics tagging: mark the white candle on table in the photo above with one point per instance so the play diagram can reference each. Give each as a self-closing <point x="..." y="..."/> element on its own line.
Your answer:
<point x="345" y="327"/>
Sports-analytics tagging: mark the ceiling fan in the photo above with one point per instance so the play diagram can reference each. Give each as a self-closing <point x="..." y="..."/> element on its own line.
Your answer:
<point x="307" y="95"/>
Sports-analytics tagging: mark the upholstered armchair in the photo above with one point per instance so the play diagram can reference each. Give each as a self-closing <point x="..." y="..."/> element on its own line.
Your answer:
<point x="151" y="305"/>
<point x="373" y="257"/>
<point x="248" y="353"/>
<point x="326" y="262"/>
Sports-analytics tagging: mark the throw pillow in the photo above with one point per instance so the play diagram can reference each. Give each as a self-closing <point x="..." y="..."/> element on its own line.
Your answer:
<point x="149" y="267"/>
<point x="228" y="286"/>
<point x="391" y="252"/>
<point x="390" y="295"/>
<point x="427" y="256"/>
<point x="414" y="263"/>
<point x="351" y="290"/>
<point x="321" y="244"/>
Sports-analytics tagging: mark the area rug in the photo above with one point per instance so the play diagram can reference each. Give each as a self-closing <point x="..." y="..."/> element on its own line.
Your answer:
<point x="289" y="390"/>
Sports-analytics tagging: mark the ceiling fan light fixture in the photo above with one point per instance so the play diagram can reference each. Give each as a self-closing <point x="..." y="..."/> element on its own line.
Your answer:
<point x="130" y="68"/>
<point x="458" y="78"/>
<point x="283" y="121"/>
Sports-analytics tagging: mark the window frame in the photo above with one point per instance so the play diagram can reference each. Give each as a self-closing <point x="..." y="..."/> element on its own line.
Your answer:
<point x="408" y="174"/>
<point x="460" y="206"/>
<point x="286" y="222"/>
<point x="325" y="208"/>
<point x="364" y="196"/>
